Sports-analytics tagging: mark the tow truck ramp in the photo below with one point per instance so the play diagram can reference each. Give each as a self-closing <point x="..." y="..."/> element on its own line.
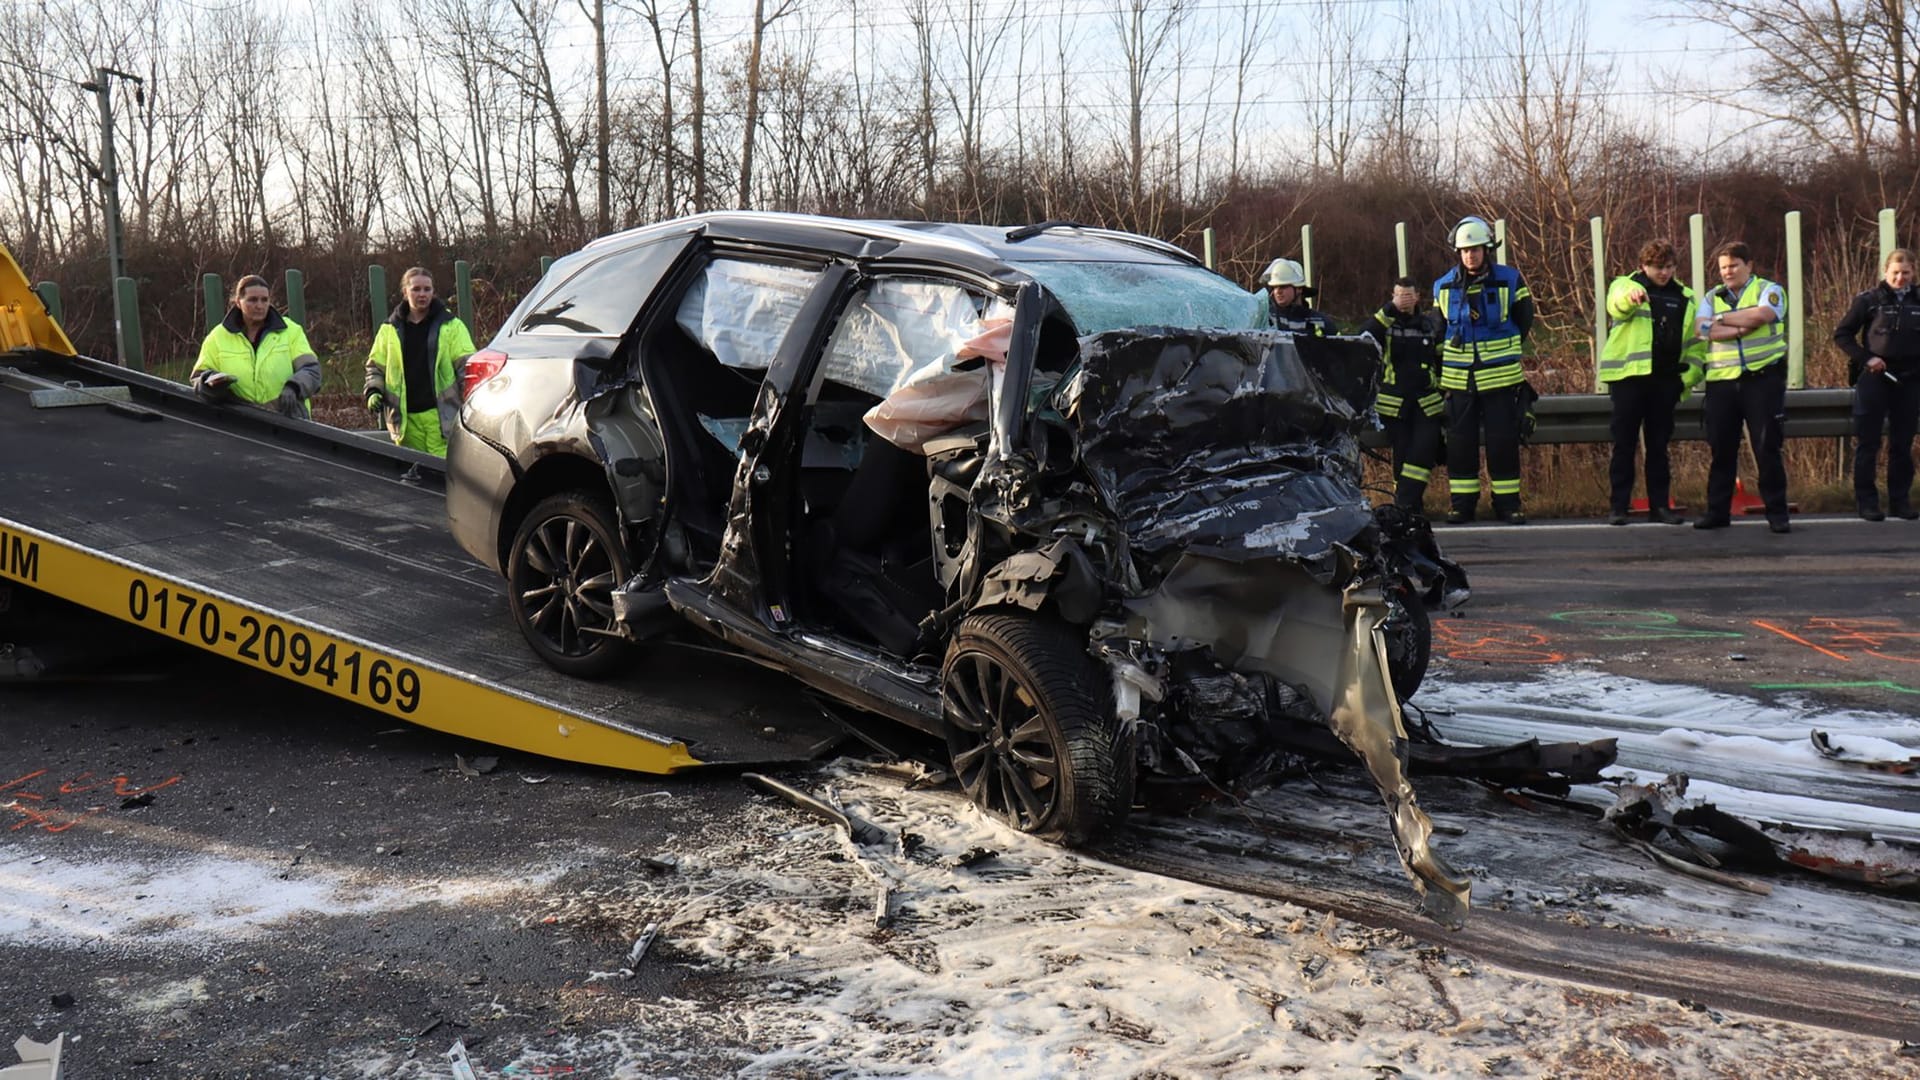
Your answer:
<point x="322" y="557"/>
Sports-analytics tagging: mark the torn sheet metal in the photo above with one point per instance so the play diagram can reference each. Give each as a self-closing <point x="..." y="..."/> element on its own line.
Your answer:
<point x="1240" y="444"/>
<point x="1366" y="716"/>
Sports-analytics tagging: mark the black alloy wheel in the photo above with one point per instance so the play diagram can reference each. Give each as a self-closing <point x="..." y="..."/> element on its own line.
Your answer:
<point x="566" y="561"/>
<point x="1030" y="727"/>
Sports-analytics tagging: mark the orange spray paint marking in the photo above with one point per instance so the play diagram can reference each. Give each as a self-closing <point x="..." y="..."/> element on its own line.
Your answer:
<point x="1795" y="637"/>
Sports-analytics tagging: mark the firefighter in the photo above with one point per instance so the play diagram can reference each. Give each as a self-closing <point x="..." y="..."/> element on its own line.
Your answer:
<point x="1409" y="402"/>
<point x="1743" y="321"/>
<point x="1488" y="313"/>
<point x="413" y="370"/>
<point x="1885" y="373"/>
<point x="1287" y="294"/>
<point x="257" y="355"/>
<point x="1650" y="361"/>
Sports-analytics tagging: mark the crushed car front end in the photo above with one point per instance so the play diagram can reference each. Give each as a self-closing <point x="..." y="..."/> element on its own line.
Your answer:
<point x="1193" y="499"/>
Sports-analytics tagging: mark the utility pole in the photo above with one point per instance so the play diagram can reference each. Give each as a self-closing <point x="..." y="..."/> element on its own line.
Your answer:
<point x="102" y="88"/>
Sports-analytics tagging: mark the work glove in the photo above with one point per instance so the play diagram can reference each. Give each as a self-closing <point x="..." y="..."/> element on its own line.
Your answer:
<point x="291" y="402"/>
<point x="212" y="391"/>
<point x="376" y="399"/>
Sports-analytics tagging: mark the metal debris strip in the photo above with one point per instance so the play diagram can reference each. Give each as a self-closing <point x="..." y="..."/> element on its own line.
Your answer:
<point x="38" y="1060"/>
<point x="860" y="832"/>
<point x="641" y="944"/>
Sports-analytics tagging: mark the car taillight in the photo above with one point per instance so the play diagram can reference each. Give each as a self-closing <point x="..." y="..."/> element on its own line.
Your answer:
<point x="480" y="367"/>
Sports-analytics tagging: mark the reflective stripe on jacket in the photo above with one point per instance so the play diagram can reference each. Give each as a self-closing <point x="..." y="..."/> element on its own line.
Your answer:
<point x="261" y="372"/>
<point x="1480" y="353"/>
<point x="447" y="341"/>
<point x="1628" y="350"/>
<point x="1409" y="359"/>
<point x="1760" y="347"/>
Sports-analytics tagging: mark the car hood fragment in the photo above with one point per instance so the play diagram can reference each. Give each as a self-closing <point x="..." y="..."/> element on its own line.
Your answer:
<point x="1237" y="444"/>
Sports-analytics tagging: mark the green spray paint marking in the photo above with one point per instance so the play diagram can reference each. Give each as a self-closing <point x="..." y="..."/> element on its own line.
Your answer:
<point x="1652" y="625"/>
<point x="1881" y="684"/>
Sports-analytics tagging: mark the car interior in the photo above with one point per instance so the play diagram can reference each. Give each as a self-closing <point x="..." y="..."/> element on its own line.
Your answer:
<point x="867" y="511"/>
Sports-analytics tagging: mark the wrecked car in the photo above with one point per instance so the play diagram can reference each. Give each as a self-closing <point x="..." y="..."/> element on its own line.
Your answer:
<point x="1051" y="494"/>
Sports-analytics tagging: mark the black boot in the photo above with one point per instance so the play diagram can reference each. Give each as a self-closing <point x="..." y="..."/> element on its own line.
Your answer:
<point x="1870" y="510"/>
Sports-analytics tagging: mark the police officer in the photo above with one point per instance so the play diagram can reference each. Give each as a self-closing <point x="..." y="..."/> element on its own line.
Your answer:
<point x="1409" y="402"/>
<point x="1743" y="320"/>
<point x="1650" y="360"/>
<point x="1885" y="373"/>
<point x="1287" y="294"/>
<point x="1488" y="313"/>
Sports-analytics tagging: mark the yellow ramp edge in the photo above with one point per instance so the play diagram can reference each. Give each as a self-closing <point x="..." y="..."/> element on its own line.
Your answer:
<point x="24" y="322"/>
<point x="398" y="685"/>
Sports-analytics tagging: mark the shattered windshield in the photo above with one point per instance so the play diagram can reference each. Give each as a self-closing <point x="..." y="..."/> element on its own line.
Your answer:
<point x="1102" y="296"/>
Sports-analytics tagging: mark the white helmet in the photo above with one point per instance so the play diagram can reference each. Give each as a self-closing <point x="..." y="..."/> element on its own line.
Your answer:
<point x="1472" y="232"/>
<point x="1284" y="272"/>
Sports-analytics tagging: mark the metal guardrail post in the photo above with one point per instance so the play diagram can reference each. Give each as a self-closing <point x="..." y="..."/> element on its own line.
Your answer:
<point x="546" y="264"/>
<point x="1599" y="296"/>
<point x="463" y="293"/>
<point x="297" y="296"/>
<point x="1500" y="240"/>
<point x="1697" y="244"/>
<point x="377" y="294"/>
<point x="126" y="295"/>
<point x="1796" y="308"/>
<point x="1400" y="245"/>
<point x="1207" y="251"/>
<point x="49" y="294"/>
<point x="1889" y="235"/>
<point x="1306" y="253"/>
<point x="215" y="295"/>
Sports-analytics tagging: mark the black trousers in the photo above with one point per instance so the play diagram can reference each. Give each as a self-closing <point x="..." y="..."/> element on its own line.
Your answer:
<point x="1757" y="401"/>
<point x="1881" y="402"/>
<point x="1642" y="402"/>
<point x="1415" y="438"/>
<point x="1497" y="413"/>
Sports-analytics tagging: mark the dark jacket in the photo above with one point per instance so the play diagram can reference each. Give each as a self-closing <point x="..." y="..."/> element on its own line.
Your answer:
<point x="1892" y="332"/>
<point x="1409" y="346"/>
<point x="1298" y="318"/>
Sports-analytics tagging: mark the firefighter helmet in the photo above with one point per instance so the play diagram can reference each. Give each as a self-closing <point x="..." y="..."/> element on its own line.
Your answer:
<point x="1472" y="232"/>
<point x="1284" y="272"/>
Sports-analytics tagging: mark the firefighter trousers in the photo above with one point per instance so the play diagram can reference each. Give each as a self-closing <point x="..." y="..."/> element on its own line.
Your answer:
<point x="1496" y="414"/>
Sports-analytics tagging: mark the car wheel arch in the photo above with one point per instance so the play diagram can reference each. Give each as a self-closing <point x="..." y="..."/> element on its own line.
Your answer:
<point x="548" y="476"/>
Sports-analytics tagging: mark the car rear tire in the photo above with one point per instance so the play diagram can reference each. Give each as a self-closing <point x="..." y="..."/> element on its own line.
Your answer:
<point x="1409" y="631"/>
<point x="1030" y="727"/>
<point x="565" y="563"/>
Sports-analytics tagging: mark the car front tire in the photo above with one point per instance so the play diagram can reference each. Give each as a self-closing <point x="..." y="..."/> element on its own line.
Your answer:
<point x="565" y="562"/>
<point x="1409" y="630"/>
<point x="1030" y="727"/>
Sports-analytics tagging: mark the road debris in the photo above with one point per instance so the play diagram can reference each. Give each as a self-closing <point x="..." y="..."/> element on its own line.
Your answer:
<point x="1832" y="751"/>
<point x="38" y="1060"/>
<point x="859" y="831"/>
<point x="457" y="1059"/>
<point x="475" y="766"/>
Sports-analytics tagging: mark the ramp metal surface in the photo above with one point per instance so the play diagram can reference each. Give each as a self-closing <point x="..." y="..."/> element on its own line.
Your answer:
<point x="323" y="557"/>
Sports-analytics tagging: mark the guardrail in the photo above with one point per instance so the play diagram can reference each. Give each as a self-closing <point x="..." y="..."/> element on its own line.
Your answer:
<point x="1583" y="418"/>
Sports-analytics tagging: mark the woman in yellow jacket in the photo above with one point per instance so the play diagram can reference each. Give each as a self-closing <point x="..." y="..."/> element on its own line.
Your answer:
<point x="413" y="371"/>
<point x="258" y="356"/>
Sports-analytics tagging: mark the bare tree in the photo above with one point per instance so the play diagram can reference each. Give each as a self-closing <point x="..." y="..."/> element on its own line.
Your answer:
<point x="765" y="14"/>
